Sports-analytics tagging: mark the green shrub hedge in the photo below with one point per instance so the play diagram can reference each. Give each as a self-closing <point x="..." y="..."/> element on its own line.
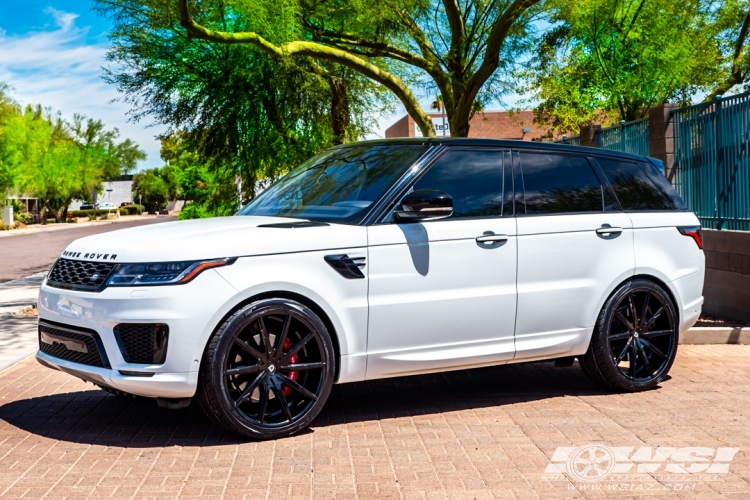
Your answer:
<point x="134" y="209"/>
<point x="99" y="212"/>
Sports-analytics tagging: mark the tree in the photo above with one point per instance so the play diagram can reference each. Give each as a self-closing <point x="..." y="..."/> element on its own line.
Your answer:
<point x="45" y="156"/>
<point x="730" y="31"/>
<point x="241" y="112"/>
<point x="391" y="43"/>
<point x="207" y="192"/>
<point x="11" y="140"/>
<point x="156" y="186"/>
<point x="50" y="165"/>
<point x="611" y="60"/>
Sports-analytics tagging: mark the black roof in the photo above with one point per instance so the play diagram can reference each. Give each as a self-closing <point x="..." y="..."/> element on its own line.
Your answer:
<point x="506" y="143"/>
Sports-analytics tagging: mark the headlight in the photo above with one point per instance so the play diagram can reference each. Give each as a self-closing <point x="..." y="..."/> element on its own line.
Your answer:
<point x="163" y="273"/>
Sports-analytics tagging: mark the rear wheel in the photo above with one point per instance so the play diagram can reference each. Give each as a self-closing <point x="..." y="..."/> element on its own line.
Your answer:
<point x="268" y="370"/>
<point x="635" y="340"/>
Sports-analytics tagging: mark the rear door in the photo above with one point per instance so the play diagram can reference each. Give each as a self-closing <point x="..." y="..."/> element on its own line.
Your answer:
<point x="574" y="246"/>
<point x="438" y="297"/>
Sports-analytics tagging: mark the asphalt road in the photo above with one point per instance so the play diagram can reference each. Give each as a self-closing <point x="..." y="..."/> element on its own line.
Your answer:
<point x="25" y="254"/>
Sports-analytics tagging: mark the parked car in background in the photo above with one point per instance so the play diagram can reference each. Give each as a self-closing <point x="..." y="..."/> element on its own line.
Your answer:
<point x="125" y="203"/>
<point x="385" y="259"/>
<point x="87" y="206"/>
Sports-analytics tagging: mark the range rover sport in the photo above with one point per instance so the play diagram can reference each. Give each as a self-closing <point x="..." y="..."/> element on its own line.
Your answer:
<point x="384" y="259"/>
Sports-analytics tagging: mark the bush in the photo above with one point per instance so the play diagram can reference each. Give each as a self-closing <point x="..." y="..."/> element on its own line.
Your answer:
<point x="133" y="209"/>
<point x="99" y="213"/>
<point x="23" y="217"/>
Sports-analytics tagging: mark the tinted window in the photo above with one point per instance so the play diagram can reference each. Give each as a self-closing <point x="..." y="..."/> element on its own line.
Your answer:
<point x="676" y="202"/>
<point x="337" y="185"/>
<point x="474" y="179"/>
<point x="633" y="188"/>
<point x="559" y="184"/>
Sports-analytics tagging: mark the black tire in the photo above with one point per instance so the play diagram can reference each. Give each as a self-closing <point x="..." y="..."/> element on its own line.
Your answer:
<point x="268" y="370"/>
<point x="635" y="340"/>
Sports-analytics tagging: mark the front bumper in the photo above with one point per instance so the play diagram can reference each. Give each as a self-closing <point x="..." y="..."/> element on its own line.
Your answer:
<point x="192" y="311"/>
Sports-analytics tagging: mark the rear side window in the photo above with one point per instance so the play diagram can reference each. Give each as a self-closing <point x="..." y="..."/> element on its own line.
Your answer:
<point x="474" y="179"/>
<point x="557" y="184"/>
<point x="633" y="188"/>
<point x="661" y="182"/>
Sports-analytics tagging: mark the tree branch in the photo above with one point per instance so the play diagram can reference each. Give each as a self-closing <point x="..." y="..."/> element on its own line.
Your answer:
<point x="491" y="60"/>
<point x="317" y="51"/>
<point x="736" y="76"/>
<point x="456" y="23"/>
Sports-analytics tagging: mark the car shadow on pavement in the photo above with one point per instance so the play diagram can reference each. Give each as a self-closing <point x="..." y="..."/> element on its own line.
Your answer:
<point x="97" y="417"/>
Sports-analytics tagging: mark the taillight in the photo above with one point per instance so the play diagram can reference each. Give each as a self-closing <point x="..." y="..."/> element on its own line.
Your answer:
<point x="694" y="232"/>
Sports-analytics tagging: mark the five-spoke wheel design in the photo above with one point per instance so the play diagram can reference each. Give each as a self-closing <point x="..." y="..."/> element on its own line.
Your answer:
<point x="271" y="369"/>
<point x="635" y="340"/>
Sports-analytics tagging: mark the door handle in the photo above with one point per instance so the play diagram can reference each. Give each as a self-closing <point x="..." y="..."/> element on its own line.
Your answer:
<point x="491" y="238"/>
<point x="607" y="229"/>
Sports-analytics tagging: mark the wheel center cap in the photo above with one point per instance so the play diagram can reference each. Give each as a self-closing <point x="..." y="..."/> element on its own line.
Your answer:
<point x="271" y="368"/>
<point x="635" y="334"/>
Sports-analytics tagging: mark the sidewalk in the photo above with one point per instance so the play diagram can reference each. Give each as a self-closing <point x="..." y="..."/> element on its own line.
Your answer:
<point x="18" y="334"/>
<point x="39" y="228"/>
<point x="19" y="294"/>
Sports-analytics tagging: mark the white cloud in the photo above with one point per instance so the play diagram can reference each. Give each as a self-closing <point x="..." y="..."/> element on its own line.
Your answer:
<point x="57" y="68"/>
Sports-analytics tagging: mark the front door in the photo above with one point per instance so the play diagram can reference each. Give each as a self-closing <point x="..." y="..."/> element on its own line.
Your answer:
<point x="440" y="295"/>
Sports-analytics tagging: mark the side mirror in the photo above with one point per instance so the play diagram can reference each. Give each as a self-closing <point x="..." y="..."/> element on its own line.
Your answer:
<point x="425" y="204"/>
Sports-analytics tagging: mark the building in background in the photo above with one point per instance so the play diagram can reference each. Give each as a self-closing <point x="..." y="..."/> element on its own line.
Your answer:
<point x="116" y="192"/>
<point x="493" y="124"/>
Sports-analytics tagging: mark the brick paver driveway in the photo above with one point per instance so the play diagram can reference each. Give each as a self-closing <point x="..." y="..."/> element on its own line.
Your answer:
<point x="487" y="433"/>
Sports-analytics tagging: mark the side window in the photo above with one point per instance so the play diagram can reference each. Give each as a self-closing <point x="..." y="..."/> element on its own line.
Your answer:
<point x="556" y="184"/>
<point x="661" y="182"/>
<point x="633" y="188"/>
<point x="474" y="179"/>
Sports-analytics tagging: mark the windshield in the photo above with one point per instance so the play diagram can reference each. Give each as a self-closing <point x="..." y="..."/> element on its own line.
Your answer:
<point x="338" y="185"/>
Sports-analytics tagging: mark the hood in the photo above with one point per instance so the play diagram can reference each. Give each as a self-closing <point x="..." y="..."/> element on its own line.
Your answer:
<point x="214" y="238"/>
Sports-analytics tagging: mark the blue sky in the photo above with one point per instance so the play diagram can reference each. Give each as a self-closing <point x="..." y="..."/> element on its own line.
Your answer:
<point x="52" y="52"/>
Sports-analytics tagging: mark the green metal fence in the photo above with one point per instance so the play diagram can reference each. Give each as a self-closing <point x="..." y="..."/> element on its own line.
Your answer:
<point x="630" y="137"/>
<point x="712" y="161"/>
<point x="573" y="141"/>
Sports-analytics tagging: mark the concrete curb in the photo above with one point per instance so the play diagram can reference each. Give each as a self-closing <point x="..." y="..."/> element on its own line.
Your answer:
<point x="716" y="335"/>
<point x="39" y="228"/>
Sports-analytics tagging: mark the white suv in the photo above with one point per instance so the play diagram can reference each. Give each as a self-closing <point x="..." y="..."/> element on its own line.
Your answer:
<point x="384" y="259"/>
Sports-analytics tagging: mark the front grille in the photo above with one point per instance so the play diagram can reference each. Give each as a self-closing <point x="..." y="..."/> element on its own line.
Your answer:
<point x="79" y="345"/>
<point x="79" y="275"/>
<point x="144" y="343"/>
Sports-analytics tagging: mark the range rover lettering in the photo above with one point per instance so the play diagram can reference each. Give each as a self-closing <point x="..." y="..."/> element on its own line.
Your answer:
<point x="385" y="259"/>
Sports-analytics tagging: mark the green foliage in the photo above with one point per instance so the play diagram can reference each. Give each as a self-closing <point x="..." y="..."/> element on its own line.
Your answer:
<point x="157" y="186"/>
<point x="46" y="157"/>
<point x="237" y="111"/>
<point x="276" y="65"/>
<point x="133" y="209"/>
<point x="98" y="213"/>
<point x="610" y="60"/>
<point x="729" y="30"/>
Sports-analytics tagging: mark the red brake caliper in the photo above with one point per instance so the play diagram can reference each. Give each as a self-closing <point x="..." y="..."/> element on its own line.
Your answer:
<point x="292" y="360"/>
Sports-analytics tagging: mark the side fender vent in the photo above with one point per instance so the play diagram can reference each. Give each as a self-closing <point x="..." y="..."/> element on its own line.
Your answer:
<point x="348" y="267"/>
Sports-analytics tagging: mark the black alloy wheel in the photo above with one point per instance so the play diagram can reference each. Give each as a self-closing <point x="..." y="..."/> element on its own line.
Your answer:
<point x="635" y="340"/>
<point x="268" y="370"/>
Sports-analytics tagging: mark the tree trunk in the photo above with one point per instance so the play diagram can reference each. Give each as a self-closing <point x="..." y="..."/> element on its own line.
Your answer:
<point x="459" y="121"/>
<point x="340" y="112"/>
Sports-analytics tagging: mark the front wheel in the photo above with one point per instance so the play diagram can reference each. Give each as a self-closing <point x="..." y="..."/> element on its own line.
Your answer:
<point x="635" y="340"/>
<point x="268" y="370"/>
